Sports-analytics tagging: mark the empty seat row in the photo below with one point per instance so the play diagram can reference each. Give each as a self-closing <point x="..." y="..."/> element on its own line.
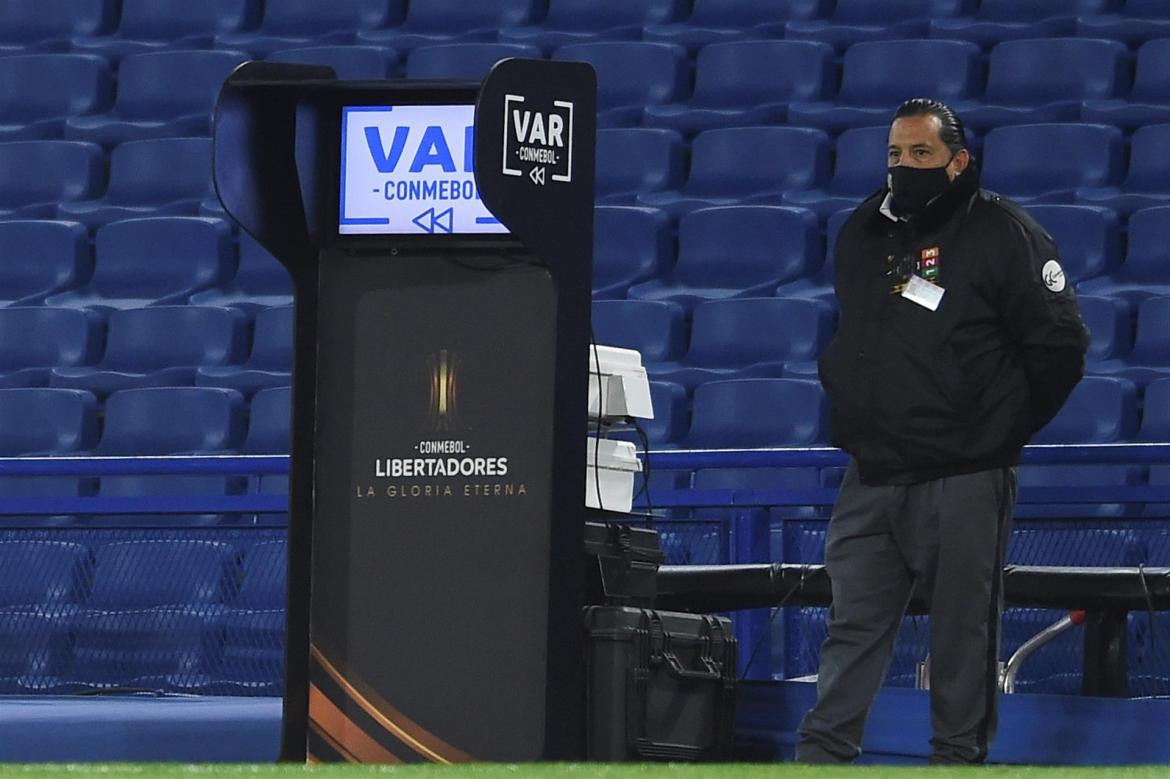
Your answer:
<point x="1040" y="163"/>
<point x="632" y="244"/>
<point x="171" y="93"/>
<point x="60" y="575"/>
<point x="145" y="347"/>
<point x="142" y="422"/>
<point x="1057" y="163"/>
<point x="132" y="26"/>
<point x="737" y="338"/>
<point x="146" y="421"/>
<point x="154" y="614"/>
<point x="67" y="180"/>
<point x="50" y="261"/>
<point x="1029" y="81"/>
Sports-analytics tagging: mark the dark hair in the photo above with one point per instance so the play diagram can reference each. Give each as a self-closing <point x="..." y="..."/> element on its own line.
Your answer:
<point x="950" y="130"/>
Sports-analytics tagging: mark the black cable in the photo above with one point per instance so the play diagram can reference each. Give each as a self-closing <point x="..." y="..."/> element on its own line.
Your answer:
<point x="768" y="627"/>
<point x="645" y="472"/>
<point x="1157" y="686"/>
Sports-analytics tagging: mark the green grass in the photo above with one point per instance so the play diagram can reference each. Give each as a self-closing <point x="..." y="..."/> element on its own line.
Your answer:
<point x="572" y="771"/>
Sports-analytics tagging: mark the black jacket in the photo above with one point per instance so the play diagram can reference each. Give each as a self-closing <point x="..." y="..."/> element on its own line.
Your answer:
<point x="919" y="394"/>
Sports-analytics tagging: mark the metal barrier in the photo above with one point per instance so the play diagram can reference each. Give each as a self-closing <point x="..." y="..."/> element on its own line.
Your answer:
<point x="704" y="526"/>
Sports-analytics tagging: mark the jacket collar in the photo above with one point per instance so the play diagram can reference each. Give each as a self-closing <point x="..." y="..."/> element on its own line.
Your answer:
<point x="939" y="210"/>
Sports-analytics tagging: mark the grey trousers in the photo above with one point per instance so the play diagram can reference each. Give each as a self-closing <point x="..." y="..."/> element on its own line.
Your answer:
<point x="951" y="534"/>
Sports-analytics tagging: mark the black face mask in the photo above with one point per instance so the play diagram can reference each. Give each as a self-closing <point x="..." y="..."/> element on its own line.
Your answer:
<point x="913" y="188"/>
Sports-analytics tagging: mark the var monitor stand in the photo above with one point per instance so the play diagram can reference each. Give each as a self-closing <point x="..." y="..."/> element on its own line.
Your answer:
<point x="439" y="238"/>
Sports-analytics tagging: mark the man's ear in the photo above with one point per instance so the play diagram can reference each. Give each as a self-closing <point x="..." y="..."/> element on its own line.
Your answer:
<point x="959" y="164"/>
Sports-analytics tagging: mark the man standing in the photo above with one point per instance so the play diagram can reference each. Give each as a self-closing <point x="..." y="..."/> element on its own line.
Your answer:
<point x="959" y="338"/>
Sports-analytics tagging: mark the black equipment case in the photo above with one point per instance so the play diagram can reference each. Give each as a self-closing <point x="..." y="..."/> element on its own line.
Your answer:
<point x="621" y="564"/>
<point x="660" y="685"/>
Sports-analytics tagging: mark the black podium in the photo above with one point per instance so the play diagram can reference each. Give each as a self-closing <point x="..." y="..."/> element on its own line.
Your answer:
<point x="439" y="237"/>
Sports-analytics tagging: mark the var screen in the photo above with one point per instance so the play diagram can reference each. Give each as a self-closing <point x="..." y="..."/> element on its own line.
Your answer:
<point x="408" y="170"/>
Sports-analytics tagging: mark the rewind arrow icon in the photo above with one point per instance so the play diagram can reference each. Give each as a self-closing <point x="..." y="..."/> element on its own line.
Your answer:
<point x="429" y="222"/>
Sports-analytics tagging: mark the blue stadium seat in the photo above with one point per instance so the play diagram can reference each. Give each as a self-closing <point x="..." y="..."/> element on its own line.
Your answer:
<point x="1031" y="81"/>
<point x="756" y="413"/>
<point x="153" y="613"/>
<point x="820" y="285"/>
<point x="589" y="21"/>
<point x="1148" y="181"/>
<point x="859" y="171"/>
<point x="40" y="257"/>
<point x="631" y="76"/>
<point x="161" y="94"/>
<point x="656" y="329"/>
<point x="49" y="576"/>
<point x="1004" y="20"/>
<point x="856" y="21"/>
<point x="43" y="582"/>
<point x="45" y="421"/>
<point x="804" y="542"/>
<point x="254" y="626"/>
<point x="155" y="177"/>
<point x="1061" y="477"/>
<point x="39" y="91"/>
<point x="805" y="630"/>
<point x="1149" y="100"/>
<point x="671" y="418"/>
<point x="1048" y="163"/>
<point x="722" y="21"/>
<point x="875" y="79"/>
<point x="40" y="422"/>
<point x="1088" y="237"/>
<point x="268" y="365"/>
<point x="430" y="22"/>
<point x="291" y="24"/>
<point x="747" y="165"/>
<point x="1079" y="546"/>
<point x="170" y="420"/>
<point x="1145" y="272"/>
<point x="159" y="347"/>
<point x="630" y="245"/>
<point x="350" y="63"/>
<point x="1156" y="412"/>
<point x="664" y="431"/>
<point x="1150" y="357"/>
<point x="34" y="651"/>
<point x="128" y="273"/>
<point x="37" y="175"/>
<point x="470" y="61"/>
<point x="149" y="573"/>
<point x="1135" y="21"/>
<point x="47" y="25"/>
<point x="261" y="281"/>
<point x="269" y="423"/>
<point x="635" y="159"/>
<point x="155" y="649"/>
<point x="153" y="25"/>
<point x="269" y="432"/>
<point x="1100" y="410"/>
<point x="772" y="245"/>
<point x="253" y="653"/>
<point x="264" y="577"/>
<point x="1109" y="325"/>
<point x="64" y="336"/>
<point x="750" y="338"/>
<point x="729" y="91"/>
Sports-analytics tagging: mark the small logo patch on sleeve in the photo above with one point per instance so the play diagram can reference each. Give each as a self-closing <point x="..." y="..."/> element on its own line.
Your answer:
<point x="1053" y="276"/>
